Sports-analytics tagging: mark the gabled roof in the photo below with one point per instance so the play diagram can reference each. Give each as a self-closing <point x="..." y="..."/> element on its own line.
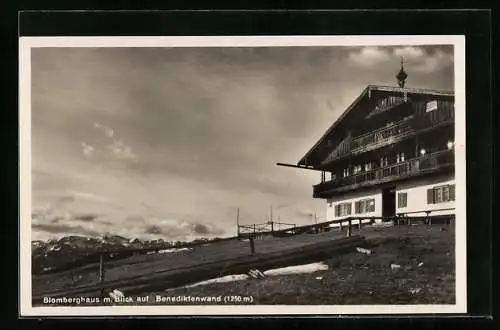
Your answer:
<point x="366" y="93"/>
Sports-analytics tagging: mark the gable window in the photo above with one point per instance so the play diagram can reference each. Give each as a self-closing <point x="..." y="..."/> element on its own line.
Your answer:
<point x="441" y="194"/>
<point x="402" y="199"/>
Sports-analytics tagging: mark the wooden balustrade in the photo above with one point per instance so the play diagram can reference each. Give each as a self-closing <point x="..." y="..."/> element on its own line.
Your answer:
<point x="411" y="167"/>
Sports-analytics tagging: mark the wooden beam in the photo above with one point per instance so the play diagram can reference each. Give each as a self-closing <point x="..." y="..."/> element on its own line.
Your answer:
<point x="297" y="166"/>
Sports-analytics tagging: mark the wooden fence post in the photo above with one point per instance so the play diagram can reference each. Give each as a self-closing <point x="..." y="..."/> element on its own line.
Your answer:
<point x="101" y="272"/>
<point x="252" y="244"/>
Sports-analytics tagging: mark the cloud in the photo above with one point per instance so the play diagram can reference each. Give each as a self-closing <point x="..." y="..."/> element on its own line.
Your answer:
<point x="422" y="61"/>
<point x="409" y="52"/>
<point x="85" y="217"/>
<point x="154" y="227"/>
<point x="438" y="61"/>
<point x="121" y="151"/>
<point x="88" y="150"/>
<point x="305" y="213"/>
<point x="368" y="57"/>
<point x="64" y="229"/>
<point x="108" y="131"/>
<point x="116" y="146"/>
<point x="88" y="196"/>
<point x="65" y="199"/>
<point x="418" y="59"/>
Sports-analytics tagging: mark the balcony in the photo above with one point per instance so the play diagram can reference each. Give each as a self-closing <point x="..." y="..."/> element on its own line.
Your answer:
<point x="391" y="134"/>
<point x="414" y="167"/>
<point x="381" y="137"/>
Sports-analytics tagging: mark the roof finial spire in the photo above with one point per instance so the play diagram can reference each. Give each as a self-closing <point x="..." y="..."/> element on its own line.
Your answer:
<point x="401" y="76"/>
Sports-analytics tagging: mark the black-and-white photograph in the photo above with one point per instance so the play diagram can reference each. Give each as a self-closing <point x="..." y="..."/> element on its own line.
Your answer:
<point x="236" y="177"/>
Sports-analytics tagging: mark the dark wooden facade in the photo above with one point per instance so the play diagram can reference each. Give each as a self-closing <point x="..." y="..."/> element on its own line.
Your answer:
<point x="388" y="134"/>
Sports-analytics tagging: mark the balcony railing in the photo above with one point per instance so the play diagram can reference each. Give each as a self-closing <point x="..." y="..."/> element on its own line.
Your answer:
<point x="382" y="136"/>
<point x="393" y="133"/>
<point x="412" y="167"/>
<point x="343" y="148"/>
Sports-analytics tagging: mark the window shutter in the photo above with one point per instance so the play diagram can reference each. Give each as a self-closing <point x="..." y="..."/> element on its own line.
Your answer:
<point x="430" y="196"/>
<point x="356" y="207"/>
<point x="349" y="208"/>
<point x="452" y="192"/>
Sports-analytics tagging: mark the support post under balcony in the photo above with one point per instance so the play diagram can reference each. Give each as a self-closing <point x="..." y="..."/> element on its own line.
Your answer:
<point x="416" y="146"/>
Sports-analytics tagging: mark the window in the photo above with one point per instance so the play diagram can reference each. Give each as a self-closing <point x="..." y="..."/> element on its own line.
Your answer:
<point x="446" y="193"/>
<point x="371" y="206"/>
<point x="452" y="192"/>
<point x="400" y="157"/>
<point x="441" y="194"/>
<point x="342" y="209"/>
<point x="364" y="206"/>
<point x="402" y="199"/>
<point x="438" y="195"/>
<point x="368" y="166"/>
<point x="384" y="161"/>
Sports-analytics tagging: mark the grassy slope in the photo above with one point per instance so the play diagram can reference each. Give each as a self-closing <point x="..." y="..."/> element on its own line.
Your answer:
<point x="353" y="278"/>
<point x="358" y="278"/>
<point x="147" y="264"/>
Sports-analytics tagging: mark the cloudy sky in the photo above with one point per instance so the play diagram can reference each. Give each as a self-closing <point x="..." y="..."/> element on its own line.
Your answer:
<point x="169" y="142"/>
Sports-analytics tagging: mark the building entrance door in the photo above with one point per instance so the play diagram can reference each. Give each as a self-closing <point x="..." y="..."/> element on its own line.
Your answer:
<point x="389" y="201"/>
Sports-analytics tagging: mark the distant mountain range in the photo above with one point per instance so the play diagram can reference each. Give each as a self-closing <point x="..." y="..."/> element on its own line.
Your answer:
<point x="73" y="251"/>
